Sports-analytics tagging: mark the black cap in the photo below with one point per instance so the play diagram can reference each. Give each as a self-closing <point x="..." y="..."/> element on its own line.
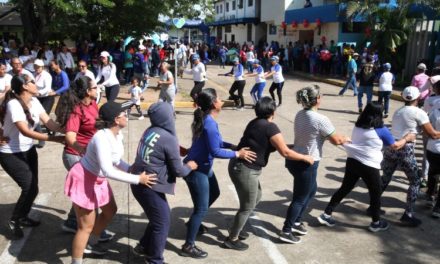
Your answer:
<point x="110" y="110"/>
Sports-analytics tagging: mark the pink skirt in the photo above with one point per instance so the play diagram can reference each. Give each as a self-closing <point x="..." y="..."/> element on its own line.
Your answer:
<point x="86" y="189"/>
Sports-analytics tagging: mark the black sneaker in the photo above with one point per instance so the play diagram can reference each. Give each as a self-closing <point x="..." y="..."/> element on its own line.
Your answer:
<point x="328" y="221"/>
<point x="28" y="222"/>
<point x="105" y="236"/>
<point x="243" y="235"/>
<point x="193" y="251"/>
<point x="289" y="238"/>
<point x="139" y="250"/>
<point x="436" y="212"/>
<point x="96" y="249"/>
<point x="16" y="229"/>
<point x="385" y="115"/>
<point x="381" y="226"/>
<point x="300" y="229"/>
<point x="410" y="221"/>
<point x="370" y="212"/>
<point x="236" y="245"/>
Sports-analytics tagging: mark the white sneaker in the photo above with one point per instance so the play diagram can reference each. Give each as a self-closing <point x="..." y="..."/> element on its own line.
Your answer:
<point x="141" y="117"/>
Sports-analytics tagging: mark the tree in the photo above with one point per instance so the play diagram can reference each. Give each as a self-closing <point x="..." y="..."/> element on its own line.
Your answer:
<point x="60" y="19"/>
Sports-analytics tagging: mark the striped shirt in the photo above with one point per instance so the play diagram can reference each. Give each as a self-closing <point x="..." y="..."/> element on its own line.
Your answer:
<point x="311" y="130"/>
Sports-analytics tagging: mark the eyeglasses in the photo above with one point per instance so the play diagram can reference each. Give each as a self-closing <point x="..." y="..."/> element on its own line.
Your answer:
<point x="83" y="66"/>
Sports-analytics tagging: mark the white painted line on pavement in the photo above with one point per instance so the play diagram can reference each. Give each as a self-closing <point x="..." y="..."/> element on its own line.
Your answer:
<point x="14" y="247"/>
<point x="270" y="248"/>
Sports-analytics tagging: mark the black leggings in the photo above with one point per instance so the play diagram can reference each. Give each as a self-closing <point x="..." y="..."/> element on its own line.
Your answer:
<point x="198" y="86"/>
<point x="239" y="87"/>
<point x="279" y="87"/>
<point x="433" y="173"/>
<point x="371" y="176"/>
<point x="111" y="92"/>
<point x="23" y="169"/>
<point x="138" y="108"/>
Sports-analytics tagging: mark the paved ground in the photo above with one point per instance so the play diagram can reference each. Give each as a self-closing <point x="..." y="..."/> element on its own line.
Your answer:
<point x="348" y="242"/>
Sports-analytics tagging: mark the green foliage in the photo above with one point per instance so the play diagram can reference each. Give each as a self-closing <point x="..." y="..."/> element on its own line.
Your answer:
<point x="60" y="19"/>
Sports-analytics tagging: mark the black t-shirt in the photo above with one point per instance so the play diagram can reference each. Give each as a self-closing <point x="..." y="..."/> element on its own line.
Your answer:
<point x="367" y="75"/>
<point x="257" y="137"/>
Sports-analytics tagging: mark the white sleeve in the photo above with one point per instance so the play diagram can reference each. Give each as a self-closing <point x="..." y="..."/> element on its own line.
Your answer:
<point x="99" y="75"/>
<point x="104" y="157"/>
<point x="8" y="79"/>
<point x="112" y="73"/>
<point x="47" y="85"/>
<point x="16" y="110"/>
<point x="188" y="71"/>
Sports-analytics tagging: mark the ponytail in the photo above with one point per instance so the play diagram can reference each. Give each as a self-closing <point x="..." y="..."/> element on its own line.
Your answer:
<point x="205" y="103"/>
<point x="198" y="123"/>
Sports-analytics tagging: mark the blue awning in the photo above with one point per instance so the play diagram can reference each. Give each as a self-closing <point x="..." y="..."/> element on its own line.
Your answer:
<point x="189" y="23"/>
<point x="326" y="13"/>
<point x="244" y="20"/>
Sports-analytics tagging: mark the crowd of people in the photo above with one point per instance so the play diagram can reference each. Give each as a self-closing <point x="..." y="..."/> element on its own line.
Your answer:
<point x="93" y="142"/>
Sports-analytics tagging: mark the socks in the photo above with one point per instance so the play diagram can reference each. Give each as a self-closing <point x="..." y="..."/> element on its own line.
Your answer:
<point x="77" y="260"/>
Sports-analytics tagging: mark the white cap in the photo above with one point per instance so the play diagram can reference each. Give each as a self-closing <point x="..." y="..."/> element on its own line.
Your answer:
<point x="410" y="93"/>
<point x="39" y="62"/>
<point x="104" y="54"/>
<point x="421" y="66"/>
<point x="355" y="54"/>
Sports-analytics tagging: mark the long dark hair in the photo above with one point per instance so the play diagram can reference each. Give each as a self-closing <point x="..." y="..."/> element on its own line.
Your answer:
<point x="371" y="117"/>
<point x="17" y="83"/>
<point x="70" y="99"/>
<point x="205" y="103"/>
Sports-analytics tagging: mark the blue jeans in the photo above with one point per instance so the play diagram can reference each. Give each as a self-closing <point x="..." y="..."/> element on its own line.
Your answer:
<point x="365" y="89"/>
<point x="351" y="81"/>
<point x="249" y="66"/>
<point x="385" y="98"/>
<point x="157" y="210"/>
<point x="204" y="191"/>
<point x="257" y="91"/>
<point x="304" y="189"/>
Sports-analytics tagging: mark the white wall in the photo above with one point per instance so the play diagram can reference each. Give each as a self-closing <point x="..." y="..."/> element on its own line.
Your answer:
<point x="329" y="30"/>
<point x="274" y="10"/>
<point x="298" y="4"/>
<point x="240" y="32"/>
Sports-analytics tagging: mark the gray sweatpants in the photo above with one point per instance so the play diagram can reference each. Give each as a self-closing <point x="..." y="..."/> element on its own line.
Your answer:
<point x="249" y="193"/>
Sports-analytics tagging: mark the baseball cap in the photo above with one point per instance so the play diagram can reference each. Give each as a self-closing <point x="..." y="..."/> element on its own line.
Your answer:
<point x="104" y="54"/>
<point x="274" y="58"/>
<point x="39" y="63"/>
<point x="355" y="54"/>
<point x="110" y="110"/>
<point x="421" y="66"/>
<point x="410" y="93"/>
<point x="256" y="62"/>
<point x="387" y="66"/>
<point x="195" y="57"/>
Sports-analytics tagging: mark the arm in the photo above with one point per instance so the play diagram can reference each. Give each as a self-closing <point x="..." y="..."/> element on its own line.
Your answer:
<point x="337" y="139"/>
<point x="213" y="141"/>
<point x="112" y="72"/>
<point x="278" y="142"/>
<point x="65" y="86"/>
<point x="430" y="131"/>
<point x="2" y="94"/>
<point x="71" y="142"/>
<point x="173" y="161"/>
<point x="400" y="143"/>
<point x="24" y="129"/>
<point x="49" y="123"/>
<point x="99" y="75"/>
<point x="268" y="74"/>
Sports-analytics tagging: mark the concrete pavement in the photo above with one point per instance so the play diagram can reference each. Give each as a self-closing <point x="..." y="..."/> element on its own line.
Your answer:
<point x="348" y="242"/>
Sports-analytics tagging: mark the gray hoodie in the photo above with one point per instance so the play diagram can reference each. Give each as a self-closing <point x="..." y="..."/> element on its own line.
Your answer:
<point x="158" y="149"/>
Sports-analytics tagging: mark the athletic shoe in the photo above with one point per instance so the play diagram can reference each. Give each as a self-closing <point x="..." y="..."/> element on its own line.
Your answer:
<point x="141" y="117"/>
<point x="289" y="238"/>
<point x="436" y="212"/>
<point x="239" y="108"/>
<point x="328" y="221"/>
<point x="299" y="229"/>
<point x="193" y="251"/>
<point x="96" y="249"/>
<point x="381" y="226"/>
<point x="69" y="226"/>
<point x="105" y="236"/>
<point x="370" y="212"/>
<point x="410" y="221"/>
<point x="139" y="250"/>
<point x="28" y="222"/>
<point x="385" y="116"/>
<point x="16" y="229"/>
<point x="236" y="245"/>
<point x="243" y="235"/>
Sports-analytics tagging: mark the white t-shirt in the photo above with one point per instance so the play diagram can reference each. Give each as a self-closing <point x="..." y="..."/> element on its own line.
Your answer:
<point x="48" y="54"/>
<point x="386" y="82"/>
<point x="43" y="81"/>
<point x="408" y="119"/>
<point x="88" y="73"/>
<point x="433" y="145"/>
<point x="250" y="56"/>
<point x="104" y="152"/>
<point x="108" y="72"/>
<point x="278" y="75"/>
<point x="366" y="145"/>
<point x="166" y="77"/>
<point x="135" y="92"/>
<point x="259" y="78"/>
<point x="66" y="60"/>
<point x="430" y="103"/>
<point x="30" y="65"/>
<point x="15" y="113"/>
<point x="5" y="81"/>
<point x="198" y="72"/>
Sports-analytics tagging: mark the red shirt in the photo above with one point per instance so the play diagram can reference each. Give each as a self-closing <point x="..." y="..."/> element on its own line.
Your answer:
<point x="82" y="121"/>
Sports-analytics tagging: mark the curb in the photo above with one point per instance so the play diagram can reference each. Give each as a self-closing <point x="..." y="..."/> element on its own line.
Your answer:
<point x="395" y="95"/>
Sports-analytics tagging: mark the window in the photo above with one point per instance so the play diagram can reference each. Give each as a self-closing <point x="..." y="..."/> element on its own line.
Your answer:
<point x="249" y="32"/>
<point x="240" y="4"/>
<point x="232" y="37"/>
<point x="272" y="29"/>
<point x="216" y="9"/>
<point x="221" y="9"/>
<point x="233" y="5"/>
<point x="228" y="29"/>
<point x="227" y="6"/>
<point x="358" y="27"/>
<point x="250" y="2"/>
